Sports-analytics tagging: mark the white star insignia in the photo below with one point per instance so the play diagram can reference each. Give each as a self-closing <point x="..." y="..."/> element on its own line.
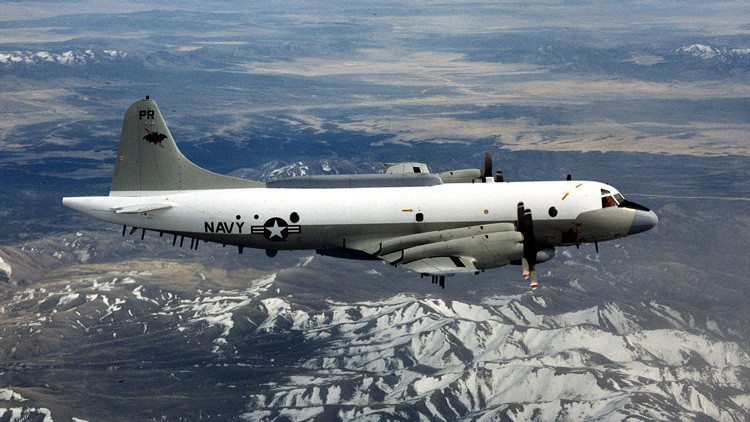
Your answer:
<point x="275" y="230"/>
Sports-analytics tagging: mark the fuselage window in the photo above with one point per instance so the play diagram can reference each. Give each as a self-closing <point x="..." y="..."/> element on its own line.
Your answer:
<point x="420" y="217"/>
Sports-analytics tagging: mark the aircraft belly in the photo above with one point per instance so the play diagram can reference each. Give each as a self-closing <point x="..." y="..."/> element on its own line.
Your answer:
<point x="343" y="236"/>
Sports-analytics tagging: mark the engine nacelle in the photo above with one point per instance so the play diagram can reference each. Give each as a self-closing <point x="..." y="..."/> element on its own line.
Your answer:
<point x="543" y="255"/>
<point x="461" y="176"/>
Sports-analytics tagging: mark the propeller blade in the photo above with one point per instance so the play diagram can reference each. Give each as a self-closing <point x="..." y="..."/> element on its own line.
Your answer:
<point x="526" y="269"/>
<point x="487" y="170"/>
<point x="525" y="225"/>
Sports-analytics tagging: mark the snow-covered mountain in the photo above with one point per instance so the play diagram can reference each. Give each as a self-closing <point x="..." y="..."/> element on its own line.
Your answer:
<point x="275" y="169"/>
<point x="407" y="356"/>
<point x="66" y="58"/>
<point x="707" y="52"/>
<point x="13" y="409"/>
<point x="421" y="358"/>
<point x="684" y="62"/>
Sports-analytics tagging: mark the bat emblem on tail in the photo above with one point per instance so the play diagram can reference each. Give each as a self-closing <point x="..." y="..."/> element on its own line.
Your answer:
<point x="155" y="137"/>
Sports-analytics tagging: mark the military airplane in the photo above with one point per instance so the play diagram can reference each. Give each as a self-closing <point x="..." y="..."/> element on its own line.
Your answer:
<point x="456" y="222"/>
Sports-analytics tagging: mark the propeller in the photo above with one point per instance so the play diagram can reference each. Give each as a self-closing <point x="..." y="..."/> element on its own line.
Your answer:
<point x="528" y="261"/>
<point x="487" y="170"/>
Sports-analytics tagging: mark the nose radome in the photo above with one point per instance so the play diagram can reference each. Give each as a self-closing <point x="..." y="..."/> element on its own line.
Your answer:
<point x="643" y="220"/>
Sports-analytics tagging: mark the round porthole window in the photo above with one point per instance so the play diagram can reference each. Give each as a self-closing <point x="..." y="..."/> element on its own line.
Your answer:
<point x="294" y="217"/>
<point x="553" y="212"/>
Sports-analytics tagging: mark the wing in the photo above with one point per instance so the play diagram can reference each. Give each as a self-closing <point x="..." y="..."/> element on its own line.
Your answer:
<point x="452" y="251"/>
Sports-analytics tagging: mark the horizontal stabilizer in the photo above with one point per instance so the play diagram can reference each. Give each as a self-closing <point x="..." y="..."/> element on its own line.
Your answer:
<point x="139" y="208"/>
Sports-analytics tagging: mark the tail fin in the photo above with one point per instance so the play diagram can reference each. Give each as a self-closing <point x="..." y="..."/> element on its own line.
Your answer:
<point x="148" y="159"/>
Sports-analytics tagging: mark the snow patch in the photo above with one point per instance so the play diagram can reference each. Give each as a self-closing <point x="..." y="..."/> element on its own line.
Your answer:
<point x="5" y="270"/>
<point x="22" y="414"/>
<point x="700" y="51"/>
<point x="218" y="309"/>
<point x="646" y="59"/>
<point x="576" y="285"/>
<point x="66" y="299"/>
<point x="306" y="261"/>
<point x="8" y="395"/>
<point x="275" y="308"/>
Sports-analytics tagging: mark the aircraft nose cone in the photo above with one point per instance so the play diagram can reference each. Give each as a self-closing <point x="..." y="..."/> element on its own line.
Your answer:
<point x="643" y="220"/>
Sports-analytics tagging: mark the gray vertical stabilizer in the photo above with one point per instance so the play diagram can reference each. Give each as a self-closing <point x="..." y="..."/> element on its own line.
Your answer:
<point x="148" y="159"/>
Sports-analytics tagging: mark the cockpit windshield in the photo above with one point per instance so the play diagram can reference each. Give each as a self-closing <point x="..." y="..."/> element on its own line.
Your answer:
<point x="617" y="200"/>
<point x="609" y="200"/>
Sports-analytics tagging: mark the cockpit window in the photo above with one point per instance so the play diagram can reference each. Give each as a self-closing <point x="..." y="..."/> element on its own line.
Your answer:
<point x="608" y="201"/>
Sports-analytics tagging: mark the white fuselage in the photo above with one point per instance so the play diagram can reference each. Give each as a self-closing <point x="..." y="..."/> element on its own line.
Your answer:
<point x="341" y="218"/>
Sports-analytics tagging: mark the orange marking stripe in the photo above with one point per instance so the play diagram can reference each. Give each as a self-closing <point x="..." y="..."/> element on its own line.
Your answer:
<point x="565" y="196"/>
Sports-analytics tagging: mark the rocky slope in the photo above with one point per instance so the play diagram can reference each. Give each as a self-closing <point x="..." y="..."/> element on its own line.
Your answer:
<point x="206" y="339"/>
